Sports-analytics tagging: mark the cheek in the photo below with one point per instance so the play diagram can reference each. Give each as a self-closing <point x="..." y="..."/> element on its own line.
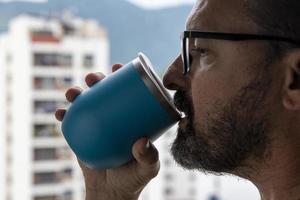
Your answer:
<point x="211" y="89"/>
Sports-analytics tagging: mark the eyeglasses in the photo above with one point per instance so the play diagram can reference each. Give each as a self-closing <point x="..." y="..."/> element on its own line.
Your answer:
<point x="187" y="36"/>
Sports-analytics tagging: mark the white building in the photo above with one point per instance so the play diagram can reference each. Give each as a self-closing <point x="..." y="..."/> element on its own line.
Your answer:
<point x="40" y="57"/>
<point x="2" y="127"/>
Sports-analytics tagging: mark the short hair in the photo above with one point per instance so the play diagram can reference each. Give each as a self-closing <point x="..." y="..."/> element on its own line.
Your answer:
<point x="276" y="17"/>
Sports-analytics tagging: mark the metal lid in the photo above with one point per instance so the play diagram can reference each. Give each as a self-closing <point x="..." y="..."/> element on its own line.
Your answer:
<point x="153" y="82"/>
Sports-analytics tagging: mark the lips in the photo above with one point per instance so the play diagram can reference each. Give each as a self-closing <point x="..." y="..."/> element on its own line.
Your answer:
<point x="179" y="106"/>
<point x="183" y="122"/>
<point x="182" y="103"/>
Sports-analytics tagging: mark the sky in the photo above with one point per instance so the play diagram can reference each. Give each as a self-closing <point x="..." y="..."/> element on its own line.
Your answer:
<point x="35" y="1"/>
<point x="160" y="3"/>
<point x="152" y="4"/>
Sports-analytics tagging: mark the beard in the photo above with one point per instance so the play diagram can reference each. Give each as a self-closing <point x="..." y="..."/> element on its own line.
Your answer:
<point x="232" y="134"/>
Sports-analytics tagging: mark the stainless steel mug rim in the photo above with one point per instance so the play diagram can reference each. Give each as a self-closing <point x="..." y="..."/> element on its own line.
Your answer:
<point x="152" y="81"/>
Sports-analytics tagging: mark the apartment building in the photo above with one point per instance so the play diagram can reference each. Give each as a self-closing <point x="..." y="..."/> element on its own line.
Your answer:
<point x="3" y="128"/>
<point x="40" y="58"/>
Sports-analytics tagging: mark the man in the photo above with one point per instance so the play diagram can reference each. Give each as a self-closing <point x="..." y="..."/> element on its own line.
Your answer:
<point x="238" y="82"/>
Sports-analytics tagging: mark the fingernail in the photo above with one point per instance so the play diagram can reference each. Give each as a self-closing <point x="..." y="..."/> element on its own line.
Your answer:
<point x="146" y="146"/>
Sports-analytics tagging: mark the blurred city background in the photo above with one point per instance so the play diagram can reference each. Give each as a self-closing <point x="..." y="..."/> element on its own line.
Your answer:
<point x="48" y="46"/>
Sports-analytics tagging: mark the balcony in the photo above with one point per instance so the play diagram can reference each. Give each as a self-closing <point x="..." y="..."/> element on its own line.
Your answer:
<point x="53" y="60"/>
<point x="88" y="61"/>
<point x="44" y="39"/>
<point x="46" y="131"/>
<point x="48" y="154"/>
<point x="67" y="196"/>
<point x="43" y="95"/>
<point x="52" y="83"/>
<point x="49" y="143"/>
<point x="47" y="107"/>
<point x="64" y="176"/>
<point x="56" y="165"/>
<point x="44" y="36"/>
<point x="52" y="189"/>
<point x="44" y="118"/>
<point x="54" y="71"/>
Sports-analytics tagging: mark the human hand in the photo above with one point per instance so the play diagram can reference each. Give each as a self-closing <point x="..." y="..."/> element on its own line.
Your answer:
<point x="127" y="181"/>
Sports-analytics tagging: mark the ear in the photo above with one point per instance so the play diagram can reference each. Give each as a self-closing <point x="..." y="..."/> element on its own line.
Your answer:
<point x="291" y="87"/>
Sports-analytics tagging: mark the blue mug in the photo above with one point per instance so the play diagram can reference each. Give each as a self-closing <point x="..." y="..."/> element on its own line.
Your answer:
<point x="104" y="122"/>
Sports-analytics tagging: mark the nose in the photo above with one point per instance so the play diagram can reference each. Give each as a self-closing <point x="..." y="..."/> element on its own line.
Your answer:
<point x="174" y="79"/>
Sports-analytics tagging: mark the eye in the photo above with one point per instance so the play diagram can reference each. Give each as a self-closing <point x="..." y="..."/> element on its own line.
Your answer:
<point x="200" y="51"/>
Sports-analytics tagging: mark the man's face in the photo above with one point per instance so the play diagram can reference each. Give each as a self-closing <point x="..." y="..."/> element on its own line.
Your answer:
<point x="225" y="96"/>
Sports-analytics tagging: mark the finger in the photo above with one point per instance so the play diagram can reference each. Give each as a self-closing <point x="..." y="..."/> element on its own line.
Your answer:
<point x="115" y="67"/>
<point x="147" y="158"/>
<point x="59" y="114"/>
<point x="93" y="78"/>
<point x="72" y="93"/>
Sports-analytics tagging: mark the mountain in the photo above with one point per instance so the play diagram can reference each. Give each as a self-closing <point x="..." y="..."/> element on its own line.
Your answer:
<point x="131" y="29"/>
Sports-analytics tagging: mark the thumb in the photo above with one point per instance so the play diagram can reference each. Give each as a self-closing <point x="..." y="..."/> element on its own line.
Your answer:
<point x="147" y="158"/>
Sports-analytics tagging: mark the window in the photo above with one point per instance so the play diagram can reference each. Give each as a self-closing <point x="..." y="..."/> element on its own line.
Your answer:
<point x="53" y="177"/>
<point x="52" y="60"/>
<point x="169" y="177"/>
<point x="45" y="178"/>
<point x="52" y="83"/>
<point x="88" y="61"/>
<point x="68" y="195"/>
<point x="47" y="107"/>
<point x="168" y="191"/>
<point x="64" y="153"/>
<point x="46" y="130"/>
<point x="66" y="175"/>
<point x="44" y="154"/>
<point x="52" y="197"/>
<point x="44" y="106"/>
<point x="53" y="154"/>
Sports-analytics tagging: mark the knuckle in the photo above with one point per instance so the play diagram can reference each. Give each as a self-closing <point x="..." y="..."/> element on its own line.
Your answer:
<point x="140" y="177"/>
<point x="144" y="174"/>
<point x="154" y="170"/>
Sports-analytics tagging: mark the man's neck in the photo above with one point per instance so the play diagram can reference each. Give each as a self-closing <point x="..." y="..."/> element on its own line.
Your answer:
<point x="279" y="178"/>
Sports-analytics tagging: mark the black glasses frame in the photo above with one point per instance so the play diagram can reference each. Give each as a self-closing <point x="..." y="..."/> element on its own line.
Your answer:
<point x="223" y="36"/>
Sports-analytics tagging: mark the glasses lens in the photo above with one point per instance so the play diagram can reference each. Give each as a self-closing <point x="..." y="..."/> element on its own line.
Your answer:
<point x="184" y="54"/>
<point x="187" y="54"/>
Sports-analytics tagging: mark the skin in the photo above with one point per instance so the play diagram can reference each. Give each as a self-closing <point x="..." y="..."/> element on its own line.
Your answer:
<point x="230" y="67"/>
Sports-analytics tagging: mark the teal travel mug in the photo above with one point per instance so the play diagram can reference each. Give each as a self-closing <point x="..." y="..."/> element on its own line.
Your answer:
<point x="104" y="122"/>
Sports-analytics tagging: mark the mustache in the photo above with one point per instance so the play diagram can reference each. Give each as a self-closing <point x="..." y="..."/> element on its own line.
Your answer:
<point x="183" y="102"/>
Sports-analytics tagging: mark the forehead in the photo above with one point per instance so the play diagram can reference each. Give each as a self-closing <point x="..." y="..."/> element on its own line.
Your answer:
<point x="220" y="16"/>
